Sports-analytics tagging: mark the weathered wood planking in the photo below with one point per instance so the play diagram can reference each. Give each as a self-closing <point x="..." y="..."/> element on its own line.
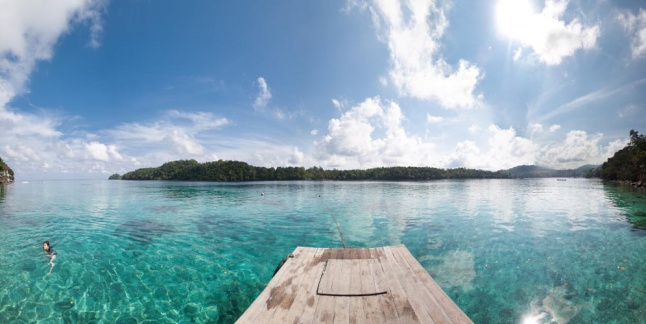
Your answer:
<point x="335" y="283"/>
<point x="379" y="285"/>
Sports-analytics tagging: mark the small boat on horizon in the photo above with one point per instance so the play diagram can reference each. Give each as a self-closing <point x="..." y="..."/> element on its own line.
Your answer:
<point x="561" y="179"/>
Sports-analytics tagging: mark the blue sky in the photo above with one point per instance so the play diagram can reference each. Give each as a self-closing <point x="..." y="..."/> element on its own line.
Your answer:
<point x="94" y="87"/>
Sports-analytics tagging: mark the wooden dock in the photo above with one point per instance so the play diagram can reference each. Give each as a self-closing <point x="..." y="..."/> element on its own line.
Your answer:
<point x="377" y="285"/>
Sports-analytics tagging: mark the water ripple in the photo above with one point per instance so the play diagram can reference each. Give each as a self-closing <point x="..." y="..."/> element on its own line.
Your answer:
<point x="166" y="251"/>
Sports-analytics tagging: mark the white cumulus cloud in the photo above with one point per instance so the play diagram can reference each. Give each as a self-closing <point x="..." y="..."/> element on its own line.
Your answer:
<point x="28" y="31"/>
<point x="102" y="152"/>
<point x="182" y="143"/>
<point x="371" y="134"/>
<point x="503" y="150"/>
<point x="413" y="31"/>
<point x="635" y="26"/>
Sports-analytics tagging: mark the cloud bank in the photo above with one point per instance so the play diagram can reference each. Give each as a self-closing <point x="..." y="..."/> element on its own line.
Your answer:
<point x="372" y="134"/>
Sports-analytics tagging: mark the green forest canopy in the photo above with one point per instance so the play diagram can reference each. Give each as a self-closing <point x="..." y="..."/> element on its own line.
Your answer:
<point x="191" y="170"/>
<point x="3" y="165"/>
<point x="629" y="163"/>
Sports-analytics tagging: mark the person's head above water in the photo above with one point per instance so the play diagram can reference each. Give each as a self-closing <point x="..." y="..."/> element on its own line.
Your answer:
<point x="46" y="246"/>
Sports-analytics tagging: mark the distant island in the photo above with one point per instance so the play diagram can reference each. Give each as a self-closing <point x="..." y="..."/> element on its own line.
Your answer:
<point x="115" y="176"/>
<point x="236" y="171"/>
<point x="6" y="174"/>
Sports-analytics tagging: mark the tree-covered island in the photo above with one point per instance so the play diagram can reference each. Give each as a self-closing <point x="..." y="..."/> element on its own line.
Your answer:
<point x="234" y="171"/>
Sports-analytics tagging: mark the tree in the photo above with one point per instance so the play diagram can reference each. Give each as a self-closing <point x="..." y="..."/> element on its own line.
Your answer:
<point x="629" y="163"/>
<point x="638" y="154"/>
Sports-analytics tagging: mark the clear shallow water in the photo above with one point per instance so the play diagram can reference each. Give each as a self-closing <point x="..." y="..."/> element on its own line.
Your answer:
<point x="504" y="250"/>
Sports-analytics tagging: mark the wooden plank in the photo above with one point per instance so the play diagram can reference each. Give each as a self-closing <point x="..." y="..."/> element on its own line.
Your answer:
<point x="335" y="279"/>
<point x="259" y="305"/>
<point x="306" y="298"/>
<point x="327" y="285"/>
<point x="341" y="309"/>
<point x="342" y="254"/>
<point x="282" y="295"/>
<point x="311" y="299"/>
<point x="330" y="253"/>
<point x="370" y="286"/>
<point x="357" y="310"/>
<point x="401" y="305"/>
<point x="356" y="307"/>
<point x="364" y="253"/>
<point x="377" y="273"/>
<point x="385" y="302"/>
<point x="325" y="307"/>
<point x="449" y="307"/>
<point x="282" y="298"/>
<point x="424" y="304"/>
<point x="336" y="253"/>
<point x="373" y="312"/>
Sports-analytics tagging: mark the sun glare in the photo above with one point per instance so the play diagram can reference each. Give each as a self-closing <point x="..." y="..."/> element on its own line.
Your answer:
<point x="513" y="17"/>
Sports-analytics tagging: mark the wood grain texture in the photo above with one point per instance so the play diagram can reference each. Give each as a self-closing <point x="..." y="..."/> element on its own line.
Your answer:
<point x="376" y="285"/>
<point x="351" y="277"/>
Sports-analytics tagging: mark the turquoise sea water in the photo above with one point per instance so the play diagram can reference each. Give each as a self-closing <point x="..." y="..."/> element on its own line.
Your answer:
<point x="506" y="251"/>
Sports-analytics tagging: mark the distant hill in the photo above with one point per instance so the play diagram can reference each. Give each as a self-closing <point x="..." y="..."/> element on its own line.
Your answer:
<point x="535" y="171"/>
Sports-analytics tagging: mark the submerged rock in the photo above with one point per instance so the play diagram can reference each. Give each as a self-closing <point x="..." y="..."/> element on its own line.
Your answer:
<point x="143" y="231"/>
<point x="64" y="305"/>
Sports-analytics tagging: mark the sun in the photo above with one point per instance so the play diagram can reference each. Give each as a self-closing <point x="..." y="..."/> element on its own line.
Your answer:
<point x="513" y="17"/>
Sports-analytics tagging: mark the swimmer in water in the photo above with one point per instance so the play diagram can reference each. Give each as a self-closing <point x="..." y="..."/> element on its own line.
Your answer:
<point x="51" y="253"/>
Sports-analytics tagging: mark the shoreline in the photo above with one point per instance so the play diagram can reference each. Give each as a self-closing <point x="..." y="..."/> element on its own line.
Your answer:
<point x="640" y="185"/>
